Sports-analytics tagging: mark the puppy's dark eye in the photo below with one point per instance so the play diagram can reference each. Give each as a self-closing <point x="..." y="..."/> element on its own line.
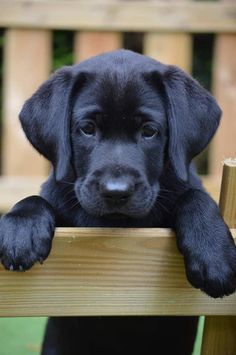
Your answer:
<point x="88" y="129"/>
<point x="148" y="132"/>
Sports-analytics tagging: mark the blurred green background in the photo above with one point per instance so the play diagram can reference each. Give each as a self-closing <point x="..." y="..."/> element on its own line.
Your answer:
<point x="21" y="336"/>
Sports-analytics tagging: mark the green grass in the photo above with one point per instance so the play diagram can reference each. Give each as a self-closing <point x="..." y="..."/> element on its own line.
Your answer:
<point x="198" y="342"/>
<point x="23" y="336"/>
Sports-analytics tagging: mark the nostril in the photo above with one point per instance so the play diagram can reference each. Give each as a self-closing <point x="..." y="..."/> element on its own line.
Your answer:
<point x="116" y="190"/>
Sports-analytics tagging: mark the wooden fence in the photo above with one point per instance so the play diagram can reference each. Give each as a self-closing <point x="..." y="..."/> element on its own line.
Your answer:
<point x="99" y="26"/>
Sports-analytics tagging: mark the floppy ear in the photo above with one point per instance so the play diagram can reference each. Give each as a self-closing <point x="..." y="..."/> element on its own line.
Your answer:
<point x="193" y="117"/>
<point x="45" y="119"/>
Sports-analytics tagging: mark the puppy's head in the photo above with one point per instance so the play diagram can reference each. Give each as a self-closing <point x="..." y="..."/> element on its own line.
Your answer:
<point x="113" y="122"/>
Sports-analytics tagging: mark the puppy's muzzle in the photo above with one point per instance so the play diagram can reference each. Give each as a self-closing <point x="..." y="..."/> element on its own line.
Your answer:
<point x="116" y="191"/>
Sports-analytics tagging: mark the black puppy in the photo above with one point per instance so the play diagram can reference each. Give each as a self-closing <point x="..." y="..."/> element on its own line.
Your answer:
<point x="120" y="130"/>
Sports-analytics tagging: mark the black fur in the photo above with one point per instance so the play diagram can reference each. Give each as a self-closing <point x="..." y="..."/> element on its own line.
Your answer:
<point x="120" y="130"/>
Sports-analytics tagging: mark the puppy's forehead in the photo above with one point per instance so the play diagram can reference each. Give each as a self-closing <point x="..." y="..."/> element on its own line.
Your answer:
<point x="116" y="82"/>
<point x="119" y="89"/>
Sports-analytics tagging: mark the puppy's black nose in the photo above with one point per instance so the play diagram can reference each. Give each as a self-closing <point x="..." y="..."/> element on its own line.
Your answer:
<point x="117" y="190"/>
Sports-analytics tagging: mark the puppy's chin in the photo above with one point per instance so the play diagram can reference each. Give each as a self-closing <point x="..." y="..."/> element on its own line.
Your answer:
<point x="99" y="210"/>
<point x="115" y="216"/>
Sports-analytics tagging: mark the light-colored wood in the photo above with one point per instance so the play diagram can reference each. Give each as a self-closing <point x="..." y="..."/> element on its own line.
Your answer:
<point x="27" y="56"/>
<point x="219" y="336"/>
<point x="219" y="332"/>
<point x="103" y="271"/>
<point x="224" y="88"/>
<point x="228" y="193"/>
<point x="119" y="15"/>
<point x="212" y="186"/>
<point x="168" y="48"/>
<point x="88" y="44"/>
<point x="15" y="188"/>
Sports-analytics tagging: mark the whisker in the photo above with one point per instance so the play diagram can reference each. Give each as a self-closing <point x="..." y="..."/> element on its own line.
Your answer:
<point x="75" y="205"/>
<point x="64" y="203"/>
<point x="165" y="198"/>
<point x="159" y="204"/>
<point x="68" y="192"/>
<point x="168" y="191"/>
<point x="67" y="182"/>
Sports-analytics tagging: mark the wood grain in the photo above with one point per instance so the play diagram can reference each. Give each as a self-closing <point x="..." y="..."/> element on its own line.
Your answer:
<point x="219" y="336"/>
<point x="117" y="15"/>
<point x="97" y="271"/>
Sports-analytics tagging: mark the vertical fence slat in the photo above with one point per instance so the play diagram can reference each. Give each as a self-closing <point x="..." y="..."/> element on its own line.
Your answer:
<point x="27" y="56"/>
<point x="170" y="48"/>
<point x="88" y="44"/>
<point x="224" y="87"/>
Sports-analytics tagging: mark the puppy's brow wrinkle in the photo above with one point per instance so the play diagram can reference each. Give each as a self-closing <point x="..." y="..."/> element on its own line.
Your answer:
<point x="83" y="112"/>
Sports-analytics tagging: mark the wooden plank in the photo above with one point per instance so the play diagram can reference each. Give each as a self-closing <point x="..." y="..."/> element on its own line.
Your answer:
<point x="224" y="88"/>
<point x="88" y="44"/>
<point x="27" y="56"/>
<point x="97" y="271"/>
<point x="219" y="336"/>
<point x="119" y="15"/>
<point x="219" y="332"/>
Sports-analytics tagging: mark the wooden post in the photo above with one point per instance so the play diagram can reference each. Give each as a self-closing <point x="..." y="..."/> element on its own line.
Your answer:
<point x="224" y="87"/>
<point x="27" y="59"/>
<point x="219" y="332"/>
<point x="228" y="193"/>
<point x="88" y="44"/>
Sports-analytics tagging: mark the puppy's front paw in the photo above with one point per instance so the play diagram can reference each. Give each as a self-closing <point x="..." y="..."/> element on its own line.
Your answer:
<point x="26" y="233"/>
<point x="213" y="271"/>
